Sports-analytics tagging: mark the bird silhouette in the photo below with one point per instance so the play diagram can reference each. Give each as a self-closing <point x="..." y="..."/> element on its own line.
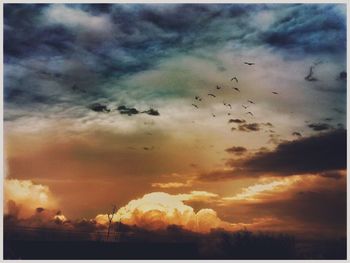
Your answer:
<point x="237" y="89"/>
<point x="235" y="78"/>
<point x="309" y="77"/>
<point x="274" y="92"/>
<point x="210" y="94"/>
<point x="251" y="102"/>
<point x="250" y="113"/>
<point x="249" y="63"/>
<point x="194" y="105"/>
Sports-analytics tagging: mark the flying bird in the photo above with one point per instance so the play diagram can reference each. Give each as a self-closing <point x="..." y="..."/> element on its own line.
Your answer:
<point x="250" y="113"/>
<point x="235" y="78"/>
<point x="236" y="89"/>
<point x="274" y="92"/>
<point x="194" y="105"/>
<point x="210" y="94"/>
<point x="249" y="63"/>
<point x="251" y="102"/>
<point x="309" y="77"/>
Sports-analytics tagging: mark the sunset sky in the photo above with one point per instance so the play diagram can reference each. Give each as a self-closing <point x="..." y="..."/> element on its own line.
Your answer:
<point x="281" y="167"/>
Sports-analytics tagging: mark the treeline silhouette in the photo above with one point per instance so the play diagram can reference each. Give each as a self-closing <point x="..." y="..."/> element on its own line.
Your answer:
<point x="132" y="242"/>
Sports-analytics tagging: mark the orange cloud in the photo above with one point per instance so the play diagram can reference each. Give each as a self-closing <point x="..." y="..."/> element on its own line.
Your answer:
<point x="27" y="196"/>
<point x="172" y="184"/>
<point x="257" y="191"/>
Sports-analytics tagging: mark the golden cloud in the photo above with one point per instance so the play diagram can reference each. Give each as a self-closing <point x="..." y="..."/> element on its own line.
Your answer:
<point x="158" y="210"/>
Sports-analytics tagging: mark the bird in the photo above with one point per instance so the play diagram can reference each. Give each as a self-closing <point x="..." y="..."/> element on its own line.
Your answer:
<point x="249" y="63"/>
<point x="235" y="78"/>
<point x="212" y="95"/>
<point x="194" y="105"/>
<point x="251" y="102"/>
<point x="250" y="113"/>
<point x="244" y="106"/>
<point x="218" y="87"/>
<point x="236" y="89"/>
<point x="309" y="77"/>
<point x="274" y="92"/>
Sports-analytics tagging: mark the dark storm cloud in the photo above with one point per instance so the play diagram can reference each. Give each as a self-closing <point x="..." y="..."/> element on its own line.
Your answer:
<point x="317" y="154"/>
<point x="319" y="126"/>
<point x="238" y="150"/>
<point x="309" y="28"/>
<point x="124" y="39"/>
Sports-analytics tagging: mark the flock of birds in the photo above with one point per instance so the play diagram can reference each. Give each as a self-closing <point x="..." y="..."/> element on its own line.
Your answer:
<point x="234" y="78"/>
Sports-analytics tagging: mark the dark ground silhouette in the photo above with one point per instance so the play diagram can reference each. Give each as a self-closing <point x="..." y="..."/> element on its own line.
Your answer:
<point x="172" y="243"/>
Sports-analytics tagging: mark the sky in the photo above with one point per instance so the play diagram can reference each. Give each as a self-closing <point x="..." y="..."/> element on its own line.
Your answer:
<point x="107" y="104"/>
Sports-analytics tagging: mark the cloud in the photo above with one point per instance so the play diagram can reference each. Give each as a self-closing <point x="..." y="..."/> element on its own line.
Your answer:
<point x="99" y="107"/>
<point x="297" y="134"/>
<point x="129" y="111"/>
<point x="295" y="31"/>
<point x="77" y="19"/>
<point x="315" y="154"/>
<point x="23" y="197"/>
<point x="319" y="126"/>
<point x="254" y="192"/>
<point x="158" y="210"/>
<point x="238" y="150"/>
<point x="248" y="127"/>
<point x="152" y="112"/>
<point x="188" y="183"/>
<point x="333" y="174"/>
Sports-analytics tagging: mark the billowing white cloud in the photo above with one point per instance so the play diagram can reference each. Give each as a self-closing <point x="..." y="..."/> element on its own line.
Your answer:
<point x="158" y="210"/>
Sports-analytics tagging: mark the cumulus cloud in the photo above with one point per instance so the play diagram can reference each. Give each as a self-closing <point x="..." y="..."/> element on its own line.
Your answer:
<point x="158" y="210"/>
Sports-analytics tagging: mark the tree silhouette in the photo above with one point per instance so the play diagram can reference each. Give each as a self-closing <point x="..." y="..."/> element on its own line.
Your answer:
<point x="110" y="218"/>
